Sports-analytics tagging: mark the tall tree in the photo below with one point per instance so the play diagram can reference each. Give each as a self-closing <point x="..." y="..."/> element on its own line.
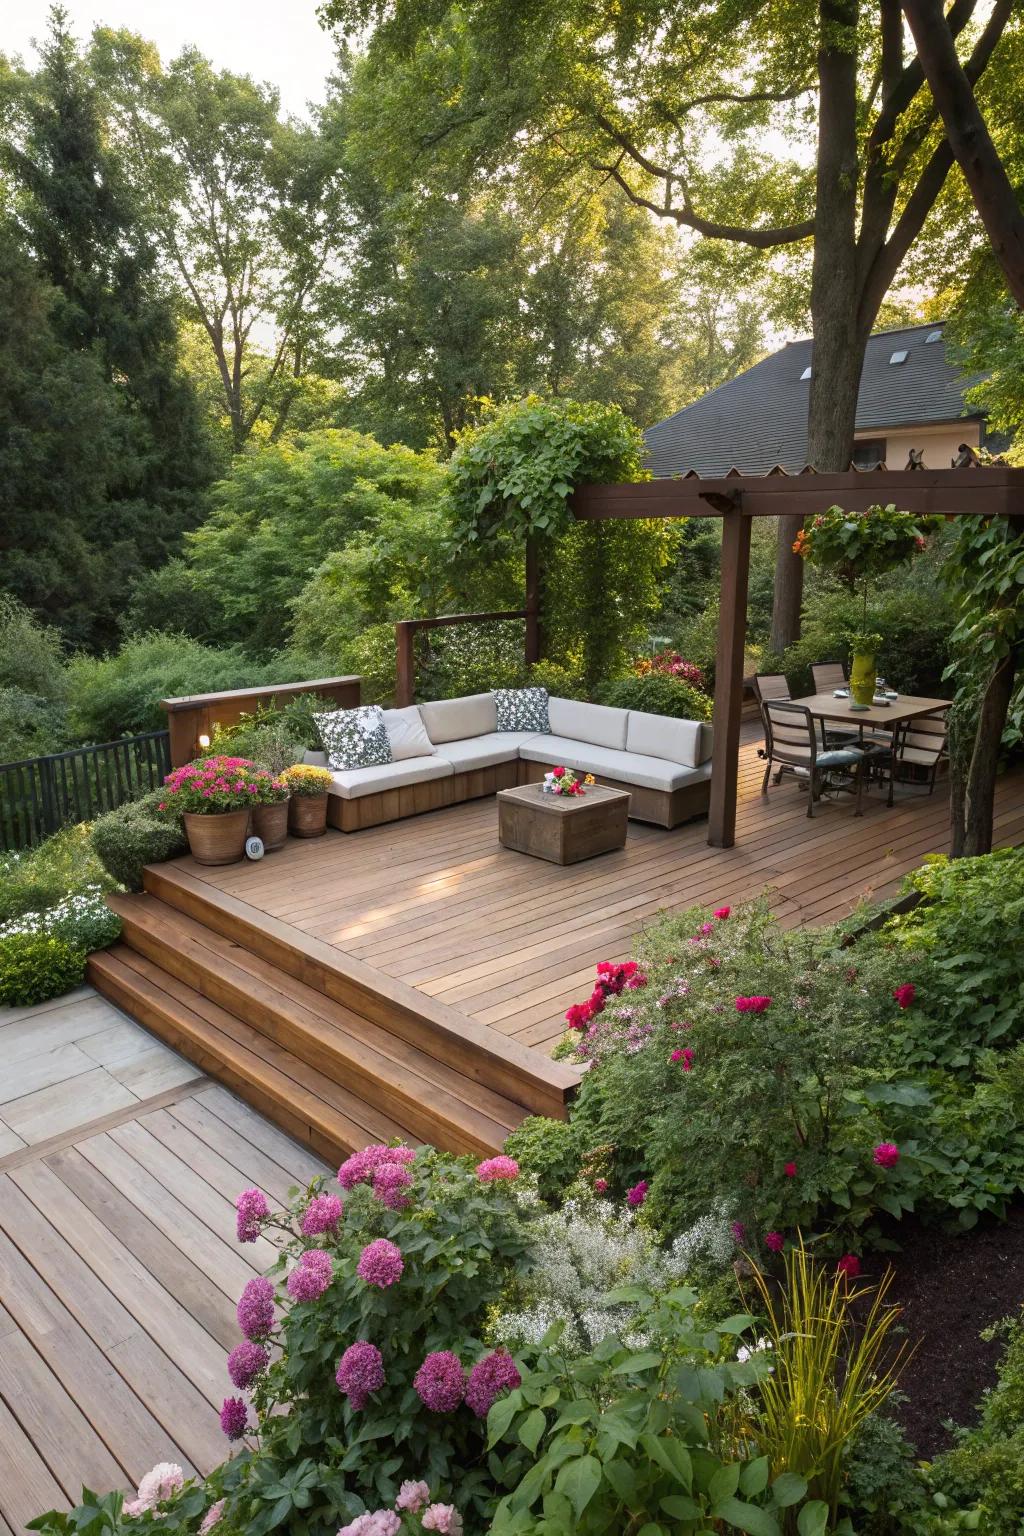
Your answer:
<point x="702" y="115"/>
<point x="246" y="208"/>
<point x="104" y="478"/>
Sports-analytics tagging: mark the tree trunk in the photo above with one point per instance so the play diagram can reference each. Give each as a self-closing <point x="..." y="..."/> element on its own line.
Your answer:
<point x="839" y="338"/>
<point x="969" y="139"/>
<point x="980" y="788"/>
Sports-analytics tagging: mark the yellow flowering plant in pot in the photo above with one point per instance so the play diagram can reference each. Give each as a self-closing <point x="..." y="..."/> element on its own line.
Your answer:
<point x="856" y="546"/>
<point x="307" y="808"/>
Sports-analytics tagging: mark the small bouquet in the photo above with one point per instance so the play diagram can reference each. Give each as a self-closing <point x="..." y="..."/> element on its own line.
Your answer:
<point x="562" y="781"/>
<point x="307" y="779"/>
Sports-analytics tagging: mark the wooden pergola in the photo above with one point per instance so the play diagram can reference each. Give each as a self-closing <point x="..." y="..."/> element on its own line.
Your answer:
<point x="992" y="491"/>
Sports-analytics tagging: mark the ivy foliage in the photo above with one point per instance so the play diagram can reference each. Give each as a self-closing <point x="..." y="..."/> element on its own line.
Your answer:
<point x="512" y="475"/>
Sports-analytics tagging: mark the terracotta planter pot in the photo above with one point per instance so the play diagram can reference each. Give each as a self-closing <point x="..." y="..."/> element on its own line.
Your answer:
<point x="307" y="815"/>
<point x="217" y="839"/>
<point x="271" y="823"/>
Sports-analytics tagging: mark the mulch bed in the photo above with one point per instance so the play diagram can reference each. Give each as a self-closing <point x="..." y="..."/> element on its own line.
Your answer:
<point x="951" y="1287"/>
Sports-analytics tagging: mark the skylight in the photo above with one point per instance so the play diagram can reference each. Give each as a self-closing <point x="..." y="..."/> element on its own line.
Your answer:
<point x="932" y="337"/>
<point x="806" y="373"/>
<point x="898" y="357"/>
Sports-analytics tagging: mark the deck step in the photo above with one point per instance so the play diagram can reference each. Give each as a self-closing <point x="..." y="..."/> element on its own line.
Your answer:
<point x="419" y="1091"/>
<point x="527" y="1078"/>
<point x="330" y="1119"/>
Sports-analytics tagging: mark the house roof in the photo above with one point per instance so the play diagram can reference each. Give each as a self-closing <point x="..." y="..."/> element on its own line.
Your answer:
<point x="759" y="419"/>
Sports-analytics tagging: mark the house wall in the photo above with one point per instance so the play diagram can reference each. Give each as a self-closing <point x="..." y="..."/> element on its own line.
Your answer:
<point x="939" y="443"/>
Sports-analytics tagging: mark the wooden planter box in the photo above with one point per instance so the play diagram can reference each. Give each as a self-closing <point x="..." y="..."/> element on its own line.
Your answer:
<point x="562" y="828"/>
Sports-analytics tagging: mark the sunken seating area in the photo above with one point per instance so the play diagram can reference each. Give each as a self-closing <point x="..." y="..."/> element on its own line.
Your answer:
<point x="452" y="750"/>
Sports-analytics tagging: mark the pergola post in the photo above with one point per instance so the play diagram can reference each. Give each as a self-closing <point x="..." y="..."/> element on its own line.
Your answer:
<point x="732" y="634"/>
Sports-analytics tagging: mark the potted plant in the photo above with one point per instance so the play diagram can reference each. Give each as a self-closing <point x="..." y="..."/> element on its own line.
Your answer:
<point x="307" y="808"/>
<point x="856" y="546"/>
<point x="270" y="812"/>
<point x="215" y="797"/>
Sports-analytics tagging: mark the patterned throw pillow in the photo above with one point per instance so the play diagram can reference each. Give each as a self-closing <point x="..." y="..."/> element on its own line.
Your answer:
<point x="354" y="738"/>
<point x="522" y="709"/>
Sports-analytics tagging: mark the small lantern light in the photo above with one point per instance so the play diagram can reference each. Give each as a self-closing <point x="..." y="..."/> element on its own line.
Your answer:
<point x="204" y="740"/>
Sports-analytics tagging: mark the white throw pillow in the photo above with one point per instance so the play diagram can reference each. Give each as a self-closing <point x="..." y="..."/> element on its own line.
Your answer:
<point x="407" y="735"/>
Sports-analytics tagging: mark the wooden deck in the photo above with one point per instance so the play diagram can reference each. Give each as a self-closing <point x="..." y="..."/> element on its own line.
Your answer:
<point x="119" y="1269"/>
<point x="510" y="941"/>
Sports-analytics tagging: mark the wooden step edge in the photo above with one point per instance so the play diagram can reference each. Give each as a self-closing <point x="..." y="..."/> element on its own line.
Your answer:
<point x="334" y="1030"/>
<point x="311" y="1121"/>
<point x="527" y="1076"/>
<point x="375" y="1119"/>
<point x="434" y="1113"/>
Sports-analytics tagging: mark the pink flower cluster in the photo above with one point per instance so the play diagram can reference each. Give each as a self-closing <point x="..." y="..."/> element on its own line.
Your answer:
<point x="389" y="1185"/>
<point x="380" y="1264"/>
<point x="322" y="1214"/>
<point x="381" y="1522"/>
<point x="311" y="1275"/>
<point x="234" y="1417"/>
<point x="360" y="1372"/>
<point x="684" y="1056"/>
<point x="671" y="664"/>
<point x="443" y="1518"/>
<point x="753" y="1004"/>
<point x="213" y="1516"/>
<point x="849" y="1265"/>
<point x="638" y="1194"/>
<point x="612" y="979"/>
<point x="361" y="1167"/>
<point x="489" y="1378"/>
<point x="905" y="994"/>
<point x="412" y="1496"/>
<point x="253" y="1208"/>
<point x="441" y="1381"/>
<point x="493" y="1169"/>
<point x="886" y="1154"/>
<point x="256" y="1308"/>
<point x="164" y="1480"/>
<point x="245" y="1362"/>
<point x="220" y="784"/>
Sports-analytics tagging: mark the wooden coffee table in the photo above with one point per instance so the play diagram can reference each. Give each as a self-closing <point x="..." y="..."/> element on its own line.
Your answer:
<point x="562" y="828"/>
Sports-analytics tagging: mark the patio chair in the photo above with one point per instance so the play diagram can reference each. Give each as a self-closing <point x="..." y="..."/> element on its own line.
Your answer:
<point x="921" y="745"/>
<point x="770" y="685"/>
<point x="828" y="675"/>
<point x="792" y="746"/>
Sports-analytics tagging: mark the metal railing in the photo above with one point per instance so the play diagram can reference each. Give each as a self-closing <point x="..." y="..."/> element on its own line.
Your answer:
<point x="40" y="795"/>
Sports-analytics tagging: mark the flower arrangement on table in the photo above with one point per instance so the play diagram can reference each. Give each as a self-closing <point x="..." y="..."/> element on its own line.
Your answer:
<point x="210" y="786"/>
<point x="306" y="779"/>
<point x="563" y="781"/>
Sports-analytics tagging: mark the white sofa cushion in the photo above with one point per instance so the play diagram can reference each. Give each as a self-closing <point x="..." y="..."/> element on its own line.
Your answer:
<point x="455" y="719"/>
<point x="407" y="734"/>
<point x="353" y="783"/>
<point x="485" y="751"/>
<point x="678" y="741"/>
<point x="596" y="723"/>
<point x="624" y="767"/>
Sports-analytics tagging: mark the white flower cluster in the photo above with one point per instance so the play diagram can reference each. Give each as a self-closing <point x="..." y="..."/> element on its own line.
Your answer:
<point x="88" y="904"/>
<point x="579" y="1254"/>
<point x="710" y="1240"/>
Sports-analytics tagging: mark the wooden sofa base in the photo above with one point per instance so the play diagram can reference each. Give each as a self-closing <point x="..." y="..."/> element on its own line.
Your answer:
<point x="662" y="807"/>
<point x="412" y="799"/>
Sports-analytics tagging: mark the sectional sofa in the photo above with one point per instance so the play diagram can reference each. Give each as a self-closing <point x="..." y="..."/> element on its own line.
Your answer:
<point x="452" y="750"/>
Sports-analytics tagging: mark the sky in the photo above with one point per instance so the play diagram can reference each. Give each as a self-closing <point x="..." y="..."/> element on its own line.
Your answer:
<point x="268" y="39"/>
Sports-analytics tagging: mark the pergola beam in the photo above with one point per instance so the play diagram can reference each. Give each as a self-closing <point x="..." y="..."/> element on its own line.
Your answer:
<point x="987" y="491"/>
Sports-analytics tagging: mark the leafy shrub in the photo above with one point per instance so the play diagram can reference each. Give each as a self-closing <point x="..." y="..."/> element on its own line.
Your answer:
<point x="29" y="726"/>
<point x="120" y="694"/>
<point x="134" y="835"/>
<point x="267" y="738"/>
<point x="657" y="694"/>
<point x="31" y="655"/>
<point x="986" y="1466"/>
<point x="548" y="1149"/>
<point x="37" y="966"/>
<point x="564" y="682"/>
<point x="40" y="877"/>
<point x="470" y="658"/>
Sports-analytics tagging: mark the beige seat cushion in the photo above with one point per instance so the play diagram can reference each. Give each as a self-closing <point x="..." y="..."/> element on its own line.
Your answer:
<point x="625" y="767"/>
<point x="456" y="719"/>
<point x="407" y="734"/>
<point x="596" y="723"/>
<point x="484" y="751"/>
<point x="352" y="783"/>
<point x="678" y="741"/>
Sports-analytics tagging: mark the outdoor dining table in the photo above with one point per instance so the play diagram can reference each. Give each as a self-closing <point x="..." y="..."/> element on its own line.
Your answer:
<point x="895" y="712"/>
